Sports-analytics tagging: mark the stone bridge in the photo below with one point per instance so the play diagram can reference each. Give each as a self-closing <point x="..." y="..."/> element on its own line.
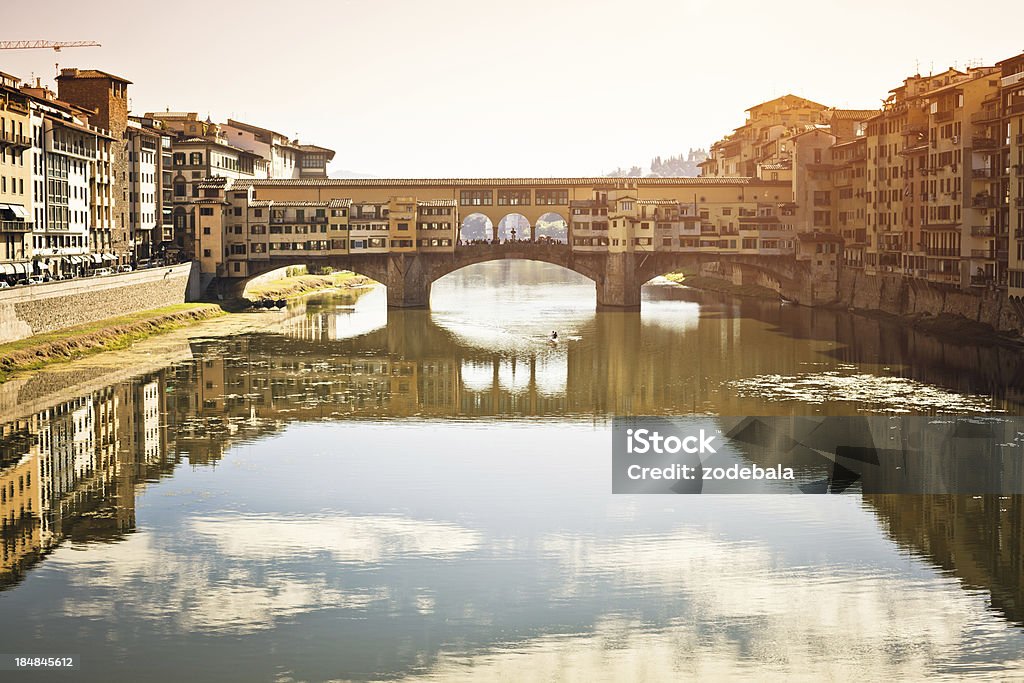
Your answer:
<point x="618" y="277"/>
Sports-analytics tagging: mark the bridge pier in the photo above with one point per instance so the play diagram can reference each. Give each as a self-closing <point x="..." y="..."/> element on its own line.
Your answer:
<point x="408" y="282"/>
<point x="618" y="287"/>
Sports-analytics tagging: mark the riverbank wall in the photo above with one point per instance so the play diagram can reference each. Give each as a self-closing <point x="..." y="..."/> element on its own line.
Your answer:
<point x="918" y="299"/>
<point x="37" y="309"/>
<point x="911" y="299"/>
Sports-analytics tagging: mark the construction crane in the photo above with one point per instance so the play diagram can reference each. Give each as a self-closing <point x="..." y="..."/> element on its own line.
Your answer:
<point x="37" y="44"/>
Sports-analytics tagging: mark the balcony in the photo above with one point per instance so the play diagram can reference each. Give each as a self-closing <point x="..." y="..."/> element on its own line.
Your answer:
<point x="983" y="231"/>
<point x="987" y="254"/>
<point x="10" y="139"/>
<point x="981" y="173"/>
<point x="944" y="115"/>
<point x="941" y="251"/>
<point x="15" y="226"/>
<point x="990" y="113"/>
<point x="914" y="129"/>
<point x="983" y="202"/>
<point x="316" y="219"/>
<point x="983" y="142"/>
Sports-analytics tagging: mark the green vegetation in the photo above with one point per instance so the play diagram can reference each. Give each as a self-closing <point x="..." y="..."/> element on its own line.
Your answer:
<point x="104" y="335"/>
<point x="689" y="278"/>
<point x="300" y="284"/>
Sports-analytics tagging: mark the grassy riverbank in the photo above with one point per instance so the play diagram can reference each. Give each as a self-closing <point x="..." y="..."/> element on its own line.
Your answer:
<point x="300" y="285"/>
<point x="714" y="284"/>
<point x="104" y="335"/>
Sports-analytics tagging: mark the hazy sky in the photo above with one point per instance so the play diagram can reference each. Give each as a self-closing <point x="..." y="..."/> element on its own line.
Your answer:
<point x="526" y="87"/>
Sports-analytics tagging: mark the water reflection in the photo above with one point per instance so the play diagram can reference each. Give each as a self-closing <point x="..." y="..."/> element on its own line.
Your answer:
<point x="271" y="487"/>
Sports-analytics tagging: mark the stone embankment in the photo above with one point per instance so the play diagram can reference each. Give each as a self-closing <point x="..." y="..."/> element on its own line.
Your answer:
<point x="937" y="308"/>
<point x="38" y="309"/>
<point x="115" y="333"/>
<point x="300" y="285"/>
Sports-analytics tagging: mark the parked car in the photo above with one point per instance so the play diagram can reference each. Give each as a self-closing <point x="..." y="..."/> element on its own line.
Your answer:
<point x="35" y="280"/>
<point x="103" y="271"/>
<point x="4" y="284"/>
<point x="124" y="269"/>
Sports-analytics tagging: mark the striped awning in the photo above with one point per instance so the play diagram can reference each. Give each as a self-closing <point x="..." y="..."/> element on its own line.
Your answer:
<point x="7" y="268"/>
<point x="96" y="258"/>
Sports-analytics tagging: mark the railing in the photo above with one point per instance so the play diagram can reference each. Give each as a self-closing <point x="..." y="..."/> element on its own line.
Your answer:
<point x="15" y="226"/>
<point x="983" y="202"/>
<point x="983" y="253"/>
<point x="941" y="251"/>
<point x="982" y="142"/>
<point x="8" y="137"/>
<point x="986" y="114"/>
<point x="983" y="231"/>
<point x="981" y="172"/>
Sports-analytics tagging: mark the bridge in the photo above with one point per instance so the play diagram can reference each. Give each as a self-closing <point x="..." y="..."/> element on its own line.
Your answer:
<point x="405" y="234"/>
<point x="617" y="277"/>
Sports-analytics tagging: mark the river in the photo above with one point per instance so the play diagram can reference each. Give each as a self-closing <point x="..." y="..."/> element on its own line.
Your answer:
<point x="357" y="493"/>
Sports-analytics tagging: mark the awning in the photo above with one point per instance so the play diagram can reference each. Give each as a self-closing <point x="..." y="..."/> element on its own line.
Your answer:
<point x="42" y="265"/>
<point x="19" y="210"/>
<point x="109" y="257"/>
<point x="96" y="258"/>
<point x="7" y="268"/>
<point x="21" y="268"/>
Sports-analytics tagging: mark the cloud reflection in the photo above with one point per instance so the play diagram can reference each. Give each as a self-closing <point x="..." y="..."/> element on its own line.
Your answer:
<point x="252" y="577"/>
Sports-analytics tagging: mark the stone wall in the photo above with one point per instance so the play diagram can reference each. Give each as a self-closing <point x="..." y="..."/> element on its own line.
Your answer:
<point x="896" y="295"/>
<point x="36" y="309"/>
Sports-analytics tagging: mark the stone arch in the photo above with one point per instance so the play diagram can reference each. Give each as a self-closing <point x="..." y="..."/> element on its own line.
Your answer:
<point x="514" y="226"/>
<point x="476" y="227"/>
<point x="552" y="226"/>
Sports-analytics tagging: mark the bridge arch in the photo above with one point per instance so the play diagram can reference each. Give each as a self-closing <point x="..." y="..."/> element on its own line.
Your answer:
<point x="476" y="227"/>
<point x="552" y="226"/>
<point x="514" y="226"/>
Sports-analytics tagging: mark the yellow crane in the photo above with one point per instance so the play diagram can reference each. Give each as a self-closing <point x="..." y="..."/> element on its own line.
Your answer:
<point x="56" y="45"/>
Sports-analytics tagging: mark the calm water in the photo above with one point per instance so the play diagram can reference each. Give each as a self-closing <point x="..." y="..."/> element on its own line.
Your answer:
<point x="377" y="494"/>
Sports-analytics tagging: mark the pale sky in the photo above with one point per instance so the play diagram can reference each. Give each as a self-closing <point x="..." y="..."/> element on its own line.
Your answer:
<point x="414" y="88"/>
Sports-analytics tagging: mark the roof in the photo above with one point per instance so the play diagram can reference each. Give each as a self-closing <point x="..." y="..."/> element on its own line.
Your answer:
<point x="339" y="203"/>
<point x="90" y="73"/>
<point x="786" y="97"/>
<point x="777" y="167"/>
<point x="506" y="182"/>
<point x="657" y="201"/>
<point x="436" y="202"/>
<point x="853" y="114"/>
<point x="254" y="129"/>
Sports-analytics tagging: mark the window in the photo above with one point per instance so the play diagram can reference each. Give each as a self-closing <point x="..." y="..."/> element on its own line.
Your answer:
<point x="206" y="231"/>
<point x="552" y="197"/>
<point x="403" y="226"/>
<point x="179" y="158"/>
<point x="195" y="159"/>
<point x="476" y="197"/>
<point x="513" y="197"/>
<point x="206" y="211"/>
<point x="206" y="253"/>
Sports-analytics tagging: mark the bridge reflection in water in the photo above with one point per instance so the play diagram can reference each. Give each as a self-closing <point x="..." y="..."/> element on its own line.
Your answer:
<point x="73" y="469"/>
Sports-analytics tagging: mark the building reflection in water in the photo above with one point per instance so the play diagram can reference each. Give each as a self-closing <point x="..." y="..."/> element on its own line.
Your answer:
<point x="72" y="471"/>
